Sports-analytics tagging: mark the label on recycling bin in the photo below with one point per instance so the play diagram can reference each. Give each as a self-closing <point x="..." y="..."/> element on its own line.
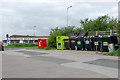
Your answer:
<point x="116" y="44"/>
<point x="72" y="41"/>
<point x="96" y="43"/>
<point x="66" y="41"/>
<point x="105" y="43"/>
<point x="87" y="42"/>
<point x="79" y="42"/>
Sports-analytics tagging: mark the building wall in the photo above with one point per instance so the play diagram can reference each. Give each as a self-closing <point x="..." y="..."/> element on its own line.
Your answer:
<point x="21" y="40"/>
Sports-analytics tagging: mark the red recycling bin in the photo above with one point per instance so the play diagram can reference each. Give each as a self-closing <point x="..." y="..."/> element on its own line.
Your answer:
<point x="42" y="43"/>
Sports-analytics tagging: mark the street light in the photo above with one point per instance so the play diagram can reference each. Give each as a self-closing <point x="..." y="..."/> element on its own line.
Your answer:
<point x="67" y="14"/>
<point x="34" y="30"/>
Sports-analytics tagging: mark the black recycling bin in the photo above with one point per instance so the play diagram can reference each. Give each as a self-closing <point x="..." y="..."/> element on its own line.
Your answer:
<point x="106" y="40"/>
<point x="88" y="43"/>
<point x="73" y="43"/>
<point x="96" y="44"/>
<point x="66" y="43"/>
<point x="80" y="43"/>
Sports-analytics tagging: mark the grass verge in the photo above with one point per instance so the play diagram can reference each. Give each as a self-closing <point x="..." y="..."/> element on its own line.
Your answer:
<point x="30" y="45"/>
<point x="114" y="53"/>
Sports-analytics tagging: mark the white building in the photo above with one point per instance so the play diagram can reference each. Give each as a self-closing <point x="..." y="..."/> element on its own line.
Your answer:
<point x="23" y="39"/>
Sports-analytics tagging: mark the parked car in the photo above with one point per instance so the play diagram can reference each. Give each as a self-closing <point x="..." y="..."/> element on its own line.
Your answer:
<point x="1" y="46"/>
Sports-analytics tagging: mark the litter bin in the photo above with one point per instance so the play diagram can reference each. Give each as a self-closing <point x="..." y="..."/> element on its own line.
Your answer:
<point x="106" y="40"/>
<point x="59" y="41"/>
<point x="88" y="43"/>
<point x="96" y="44"/>
<point x="66" y="43"/>
<point x="80" y="43"/>
<point x="73" y="43"/>
<point x="42" y="43"/>
<point x="111" y="47"/>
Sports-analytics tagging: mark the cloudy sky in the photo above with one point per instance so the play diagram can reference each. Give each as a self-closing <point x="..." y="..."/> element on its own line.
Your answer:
<point x="20" y="17"/>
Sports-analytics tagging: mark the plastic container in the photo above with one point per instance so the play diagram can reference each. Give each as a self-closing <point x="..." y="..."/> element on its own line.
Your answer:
<point x="73" y="43"/>
<point x="42" y="43"/>
<point x="106" y="40"/>
<point x="66" y="43"/>
<point x="88" y="43"/>
<point x="111" y="47"/>
<point x="59" y="41"/>
<point x="96" y="44"/>
<point x="80" y="43"/>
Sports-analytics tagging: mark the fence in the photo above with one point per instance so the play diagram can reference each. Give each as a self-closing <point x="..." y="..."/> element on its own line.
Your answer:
<point x="111" y="32"/>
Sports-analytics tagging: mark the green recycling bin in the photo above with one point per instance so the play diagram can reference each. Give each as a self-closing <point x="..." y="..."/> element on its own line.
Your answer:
<point x="59" y="41"/>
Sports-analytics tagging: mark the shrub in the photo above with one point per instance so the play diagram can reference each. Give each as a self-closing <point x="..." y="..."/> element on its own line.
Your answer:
<point x="115" y="53"/>
<point x="22" y="45"/>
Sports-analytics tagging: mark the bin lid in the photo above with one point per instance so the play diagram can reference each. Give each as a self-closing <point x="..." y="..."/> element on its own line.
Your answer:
<point x="82" y="34"/>
<point x="88" y="37"/>
<point x="105" y="36"/>
<point x="78" y="34"/>
<point x="73" y="37"/>
<point x="94" y="37"/>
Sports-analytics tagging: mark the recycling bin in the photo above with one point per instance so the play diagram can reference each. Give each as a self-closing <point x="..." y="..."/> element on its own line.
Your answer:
<point x="80" y="43"/>
<point x="42" y="43"/>
<point x="106" y="40"/>
<point x="111" y="47"/>
<point x="88" y="43"/>
<point x="66" y="43"/>
<point x="96" y="44"/>
<point x="59" y="42"/>
<point x="73" y="43"/>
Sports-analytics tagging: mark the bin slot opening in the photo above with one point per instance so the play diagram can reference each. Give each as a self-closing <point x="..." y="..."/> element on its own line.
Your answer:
<point x="59" y="44"/>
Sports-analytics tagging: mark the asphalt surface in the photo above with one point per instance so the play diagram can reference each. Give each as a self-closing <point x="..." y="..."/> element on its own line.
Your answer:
<point x="23" y="63"/>
<point x="105" y="62"/>
<point x="37" y="56"/>
<point x="0" y="65"/>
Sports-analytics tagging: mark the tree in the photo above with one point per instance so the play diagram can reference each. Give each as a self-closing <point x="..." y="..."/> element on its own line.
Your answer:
<point x="102" y="23"/>
<point x="118" y="31"/>
<point x="59" y="32"/>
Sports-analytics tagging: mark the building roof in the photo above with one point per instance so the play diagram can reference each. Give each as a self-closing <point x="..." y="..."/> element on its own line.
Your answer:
<point x="27" y="36"/>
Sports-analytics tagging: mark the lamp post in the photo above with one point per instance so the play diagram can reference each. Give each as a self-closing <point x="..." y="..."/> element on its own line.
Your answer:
<point x="34" y="30"/>
<point x="118" y="27"/>
<point x="67" y="14"/>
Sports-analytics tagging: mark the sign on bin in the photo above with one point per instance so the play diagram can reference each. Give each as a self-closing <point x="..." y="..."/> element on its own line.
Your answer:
<point x="42" y="43"/>
<point x="66" y="41"/>
<point x="87" y="42"/>
<point x="72" y="40"/>
<point x="96" y="43"/>
<point x="105" y="43"/>
<point x="79" y="42"/>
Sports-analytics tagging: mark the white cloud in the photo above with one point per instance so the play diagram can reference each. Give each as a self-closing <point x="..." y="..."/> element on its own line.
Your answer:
<point x="60" y="0"/>
<point x="20" y="17"/>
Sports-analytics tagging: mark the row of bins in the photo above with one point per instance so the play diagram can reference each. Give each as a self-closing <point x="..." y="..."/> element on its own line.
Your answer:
<point x="94" y="43"/>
